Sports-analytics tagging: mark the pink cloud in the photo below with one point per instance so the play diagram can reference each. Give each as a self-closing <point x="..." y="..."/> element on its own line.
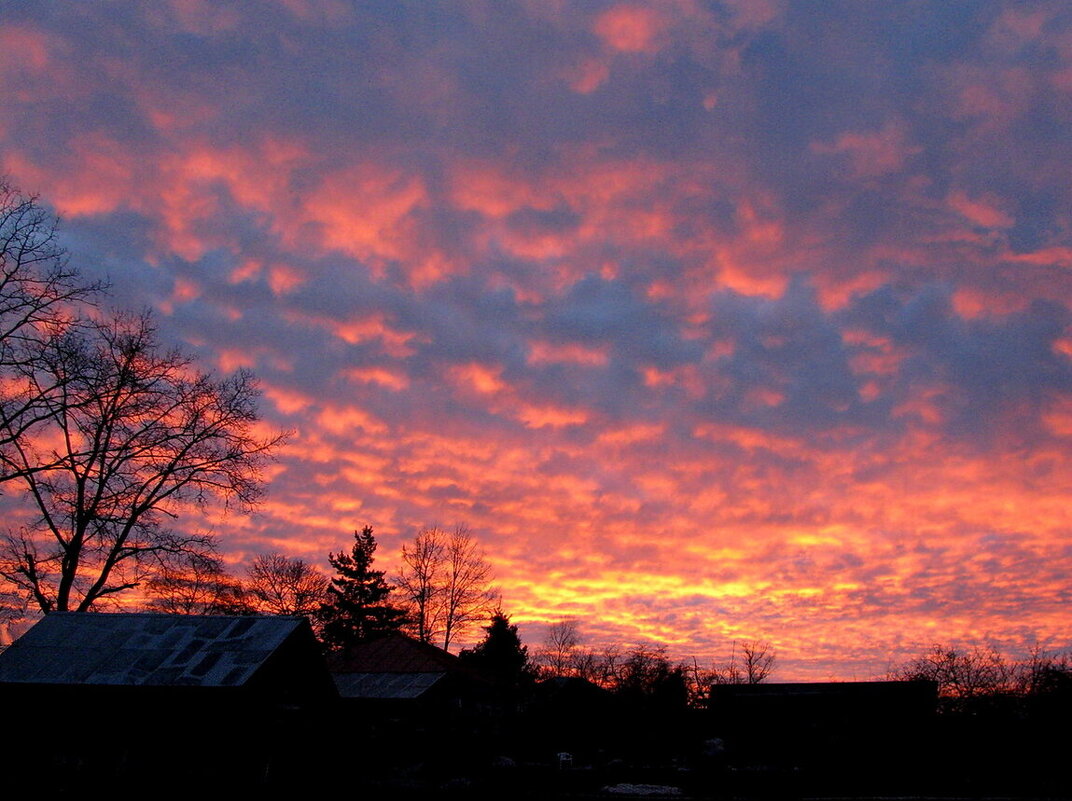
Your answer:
<point x="753" y="423"/>
<point x="872" y="154"/>
<point x="630" y="28"/>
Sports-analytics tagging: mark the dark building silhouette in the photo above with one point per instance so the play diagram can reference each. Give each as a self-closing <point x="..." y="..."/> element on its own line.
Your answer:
<point x="874" y="733"/>
<point x="409" y="707"/>
<point x="572" y="714"/>
<point x="97" y="697"/>
<point x="402" y="675"/>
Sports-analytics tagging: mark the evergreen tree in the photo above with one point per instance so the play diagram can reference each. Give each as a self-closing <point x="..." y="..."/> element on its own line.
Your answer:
<point x="356" y="608"/>
<point x="500" y="655"/>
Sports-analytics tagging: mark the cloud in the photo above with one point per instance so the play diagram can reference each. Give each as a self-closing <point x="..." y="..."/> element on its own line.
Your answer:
<point x="736" y="315"/>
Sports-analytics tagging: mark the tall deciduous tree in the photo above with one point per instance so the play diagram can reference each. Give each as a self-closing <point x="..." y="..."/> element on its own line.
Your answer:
<point x="38" y="293"/>
<point x="419" y="582"/>
<point x="445" y="580"/>
<point x="560" y="648"/>
<point x="357" y="606"/>
<point x="128" y="436"/>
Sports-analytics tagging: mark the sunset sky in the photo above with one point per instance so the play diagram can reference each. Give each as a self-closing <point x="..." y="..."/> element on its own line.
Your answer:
<point x="711" y="320"/>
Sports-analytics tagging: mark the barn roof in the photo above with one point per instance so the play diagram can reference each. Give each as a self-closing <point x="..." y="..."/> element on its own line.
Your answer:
<point x="145" y="649"/>
<point x="395" y="666"/>
<point x="386" y="685"/>
<point x="394" y="653"/>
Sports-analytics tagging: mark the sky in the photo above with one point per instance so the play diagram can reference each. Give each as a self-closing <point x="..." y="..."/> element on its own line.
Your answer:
<point x="711" y="320"/>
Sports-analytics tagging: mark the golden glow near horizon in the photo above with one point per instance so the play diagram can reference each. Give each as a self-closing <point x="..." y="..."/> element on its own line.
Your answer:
<point x="709" y="325"/>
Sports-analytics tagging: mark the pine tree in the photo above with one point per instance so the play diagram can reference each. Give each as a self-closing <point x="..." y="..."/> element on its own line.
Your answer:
<point x="500" y="655"/>
<point x="357" y="608"/>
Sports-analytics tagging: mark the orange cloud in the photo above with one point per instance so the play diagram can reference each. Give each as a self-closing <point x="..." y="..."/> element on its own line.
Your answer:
<point x="344" y="419"/>
<point x="392" y="379"/>
<point x="630" y="28"/>
<point x="287" y="401"/>
<point x="686" y="494"/>
<point x="362" y="209"/>
<point x="550" y="353"/>
<point x="553" y="416"/>
<point x="33" y="48"/>
<point x="475" y="376"/>
<point x="366" y="328"/>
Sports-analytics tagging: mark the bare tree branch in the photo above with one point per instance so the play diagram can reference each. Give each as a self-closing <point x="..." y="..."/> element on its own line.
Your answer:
<point x="194" y="583"/>
<point x="468" y="596"/>
<point x="962" y="675"/>
<point x="752" y="665"/>
<point x="419" y="581"/>
<point x="560" y="649"/>
<point x="39" y="291"/>
<point x="445" y="579"/>
<point x="127" y="437"/>
<point x="281" y="585"/>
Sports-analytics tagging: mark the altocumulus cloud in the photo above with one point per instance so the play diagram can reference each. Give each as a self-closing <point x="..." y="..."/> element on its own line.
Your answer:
<point x="712" y="320"/>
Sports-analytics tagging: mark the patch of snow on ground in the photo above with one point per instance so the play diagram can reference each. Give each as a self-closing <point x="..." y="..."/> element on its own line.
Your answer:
<point x="641" y="789"/>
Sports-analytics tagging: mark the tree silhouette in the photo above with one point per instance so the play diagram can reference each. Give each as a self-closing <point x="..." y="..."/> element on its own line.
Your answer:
<point x="38" y="293"/>
<point x="126" y="436"/>
<point x="964" y="676"/>
<point x="558" y="656"/>
<point x="419" y="579"/>
<point x="445" y="581"/>
<point x="753" y="666"/>
<point x="357" y="608"/>
<point x="196" y="584"/>
<point x="501" y="655"/>
<point x="283" y="585"/>
<point x="646" y="675"/>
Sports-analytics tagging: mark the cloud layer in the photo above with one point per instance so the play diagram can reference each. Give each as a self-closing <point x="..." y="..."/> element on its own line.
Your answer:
<point x="711" y="320"/>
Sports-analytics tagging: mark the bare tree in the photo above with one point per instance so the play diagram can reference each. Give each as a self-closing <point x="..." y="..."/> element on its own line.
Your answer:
<point x="753" y="665"/>
<point x="128" y="436"/>
<point x="961" y="674"/>
<point x="446" y="581"/>
<point x="560" y="649"/>
<point x="645" y="672"/>
<point x="1042" y="672"/>
<point x="195" y="584"/>
<point x="758" y="657"/>
<point x="420" y="580"/>
<point x="39" y="291"/>
<point x="469" y="596"/>
<point x="698" y="681"/>
<point x="600" y="667"/>
<point x="13" y="604"/>
<point x="595" y="666"/>
<point x="282" y="585"/>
